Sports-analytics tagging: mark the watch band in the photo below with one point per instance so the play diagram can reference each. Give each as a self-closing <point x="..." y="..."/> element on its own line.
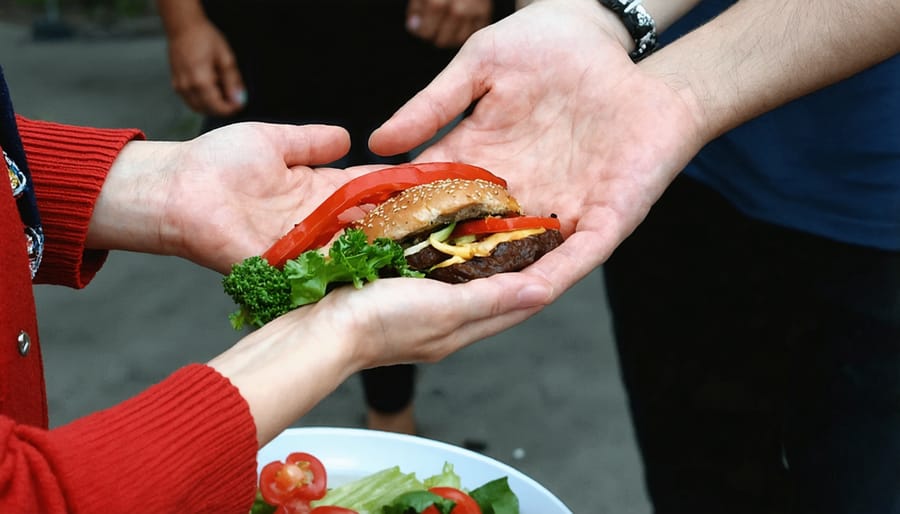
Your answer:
<point x="639" y="24"/>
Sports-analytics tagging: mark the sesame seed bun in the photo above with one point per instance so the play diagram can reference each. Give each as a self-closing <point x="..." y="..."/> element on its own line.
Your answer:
<point x="423" y="208"/>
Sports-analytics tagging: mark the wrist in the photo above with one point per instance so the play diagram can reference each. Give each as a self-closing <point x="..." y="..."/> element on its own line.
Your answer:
<point x="638" y="23"/>
<point x="127" y="215"/>
<point x="180" y="16"/>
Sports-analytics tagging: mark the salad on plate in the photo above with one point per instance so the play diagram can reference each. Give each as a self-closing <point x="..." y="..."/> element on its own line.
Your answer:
<point x="299" y="485"/>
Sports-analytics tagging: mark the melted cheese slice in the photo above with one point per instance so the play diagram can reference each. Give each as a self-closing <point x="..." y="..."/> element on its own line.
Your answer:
<point x="463" y="252"/>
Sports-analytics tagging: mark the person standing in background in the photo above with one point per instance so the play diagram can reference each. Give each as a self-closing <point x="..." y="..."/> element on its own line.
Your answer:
<point x="349" y="63"/>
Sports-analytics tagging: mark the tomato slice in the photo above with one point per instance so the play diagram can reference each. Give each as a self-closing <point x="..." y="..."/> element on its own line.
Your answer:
<point x="294" y="506"/>
<point x="372" y="188"/>
<point x="493" y="224"/>
<point x="464" y="503"/>
<point x="331" y="509"/>
<point x="300" y="477"/>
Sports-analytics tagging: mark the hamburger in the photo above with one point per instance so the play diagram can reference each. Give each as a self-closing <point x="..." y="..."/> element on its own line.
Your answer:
<point x="451" y="222"/>
<point x="456" y="230"/>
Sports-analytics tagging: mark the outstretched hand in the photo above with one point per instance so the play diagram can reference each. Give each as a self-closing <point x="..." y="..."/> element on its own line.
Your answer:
<point x="220" y="197"/>
<point x="284" y="368"/>
<point x="564" y="115"/>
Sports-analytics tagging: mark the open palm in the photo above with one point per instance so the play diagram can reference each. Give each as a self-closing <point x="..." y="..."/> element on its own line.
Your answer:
<point x="235" y="190"/>
<point x="564" y="115"/>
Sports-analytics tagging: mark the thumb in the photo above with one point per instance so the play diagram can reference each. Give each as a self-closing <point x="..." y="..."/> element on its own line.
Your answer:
<point x="303" y="145"/>
<point x="445" y="98"/>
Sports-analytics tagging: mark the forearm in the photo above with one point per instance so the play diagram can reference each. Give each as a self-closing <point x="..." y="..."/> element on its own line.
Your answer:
<point x="664" y="13"/>
<point x="758" y="55"/>
<point x="667" y="12"/>
<point x="284" y="369"/>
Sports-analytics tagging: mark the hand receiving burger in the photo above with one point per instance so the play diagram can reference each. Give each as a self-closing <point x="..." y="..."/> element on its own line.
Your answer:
<point x="446" y="221"/>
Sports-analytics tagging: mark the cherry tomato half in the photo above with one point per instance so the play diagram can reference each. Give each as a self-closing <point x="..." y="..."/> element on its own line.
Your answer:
<point x="492" y="225"/>
<point x="372" y="188"/>
<point x="331" y="509"/>
<point x="300" y="477"/>
<point x="294" y="506"/>
<point x="464" y="503"/>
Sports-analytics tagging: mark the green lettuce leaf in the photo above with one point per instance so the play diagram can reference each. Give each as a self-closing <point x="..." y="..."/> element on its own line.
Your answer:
<point x="370" y="493"/>
<point x="351" y="260"/>
<point x="416" y="502"/>
<point x="495" y="497"/>
<point x="446" y="478"/>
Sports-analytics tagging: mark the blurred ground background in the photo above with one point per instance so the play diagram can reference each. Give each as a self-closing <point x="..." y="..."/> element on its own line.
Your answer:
<point x="544" y="397"/>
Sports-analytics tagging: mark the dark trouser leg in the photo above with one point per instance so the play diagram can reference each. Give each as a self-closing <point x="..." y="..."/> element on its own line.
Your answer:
<point x="389" y="389"/>
<point x="762" y="364"/>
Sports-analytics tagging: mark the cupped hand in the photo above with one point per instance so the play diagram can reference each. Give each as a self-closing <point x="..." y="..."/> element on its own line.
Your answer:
<point x="204" y="70"/>
<point x="447" y="23"/>
<point x="220" y="197"/>
<point x="564" y="115"/>
<point x="234" y="191"/>
<point x="284" y="368"/>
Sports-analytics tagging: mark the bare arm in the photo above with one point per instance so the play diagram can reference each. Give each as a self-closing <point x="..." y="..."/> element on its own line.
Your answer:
<point x="758" y="55"/>
<point x="579" y="130"/>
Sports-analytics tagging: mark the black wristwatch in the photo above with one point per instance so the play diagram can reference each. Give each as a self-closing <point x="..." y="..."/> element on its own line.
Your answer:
<point x="639" y="24"/>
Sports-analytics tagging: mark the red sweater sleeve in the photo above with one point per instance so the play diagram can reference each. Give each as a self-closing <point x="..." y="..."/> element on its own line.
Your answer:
<point x="68" y="166"/>
<point x="187" y="444"/>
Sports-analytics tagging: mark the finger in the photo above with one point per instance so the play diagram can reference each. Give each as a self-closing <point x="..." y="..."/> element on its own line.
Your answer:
<point x="578" y="256"/>
<point x="184" y="84"/>
<point x="496" y="303"/>
<point x="446" y="33"/>
<point x="445" y="98"/>
<point x="458" y="314"/>
<point x="215" y="101"/>
<point x="414" y="11"/>
<point x="232" y="82"/>
<point x="307" y="144"/>
<point x="193" y="101"/>
<point x="207" y="93"/>
<point x="432" y="16"/>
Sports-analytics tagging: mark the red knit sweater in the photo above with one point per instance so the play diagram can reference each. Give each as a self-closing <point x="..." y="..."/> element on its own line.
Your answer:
<point x="187" y="444"/>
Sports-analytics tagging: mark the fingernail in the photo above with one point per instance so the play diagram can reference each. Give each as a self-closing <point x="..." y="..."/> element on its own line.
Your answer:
<point x="413" y="23"/>
<point x="534" y="295"/>
<point x="241" y="97"/>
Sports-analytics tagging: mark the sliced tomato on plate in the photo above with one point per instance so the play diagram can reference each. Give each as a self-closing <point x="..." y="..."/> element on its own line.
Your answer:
<point x="372" y="188"/>
<point x="301" y="477"/>
<point x="465" y="504"/>
<point x="493" y="225"/>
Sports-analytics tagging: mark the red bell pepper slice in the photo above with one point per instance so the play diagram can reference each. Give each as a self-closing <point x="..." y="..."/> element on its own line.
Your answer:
<point x="373" y="188"/>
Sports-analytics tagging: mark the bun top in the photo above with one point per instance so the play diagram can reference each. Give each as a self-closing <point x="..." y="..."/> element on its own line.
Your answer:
<point x="423" y="208"/>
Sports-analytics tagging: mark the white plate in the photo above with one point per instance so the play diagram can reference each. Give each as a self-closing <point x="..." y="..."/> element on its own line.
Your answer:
<point x="351" y="453"/>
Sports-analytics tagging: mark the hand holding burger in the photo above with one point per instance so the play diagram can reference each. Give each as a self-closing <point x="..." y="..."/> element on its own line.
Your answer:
<point x="446" y="221"/>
